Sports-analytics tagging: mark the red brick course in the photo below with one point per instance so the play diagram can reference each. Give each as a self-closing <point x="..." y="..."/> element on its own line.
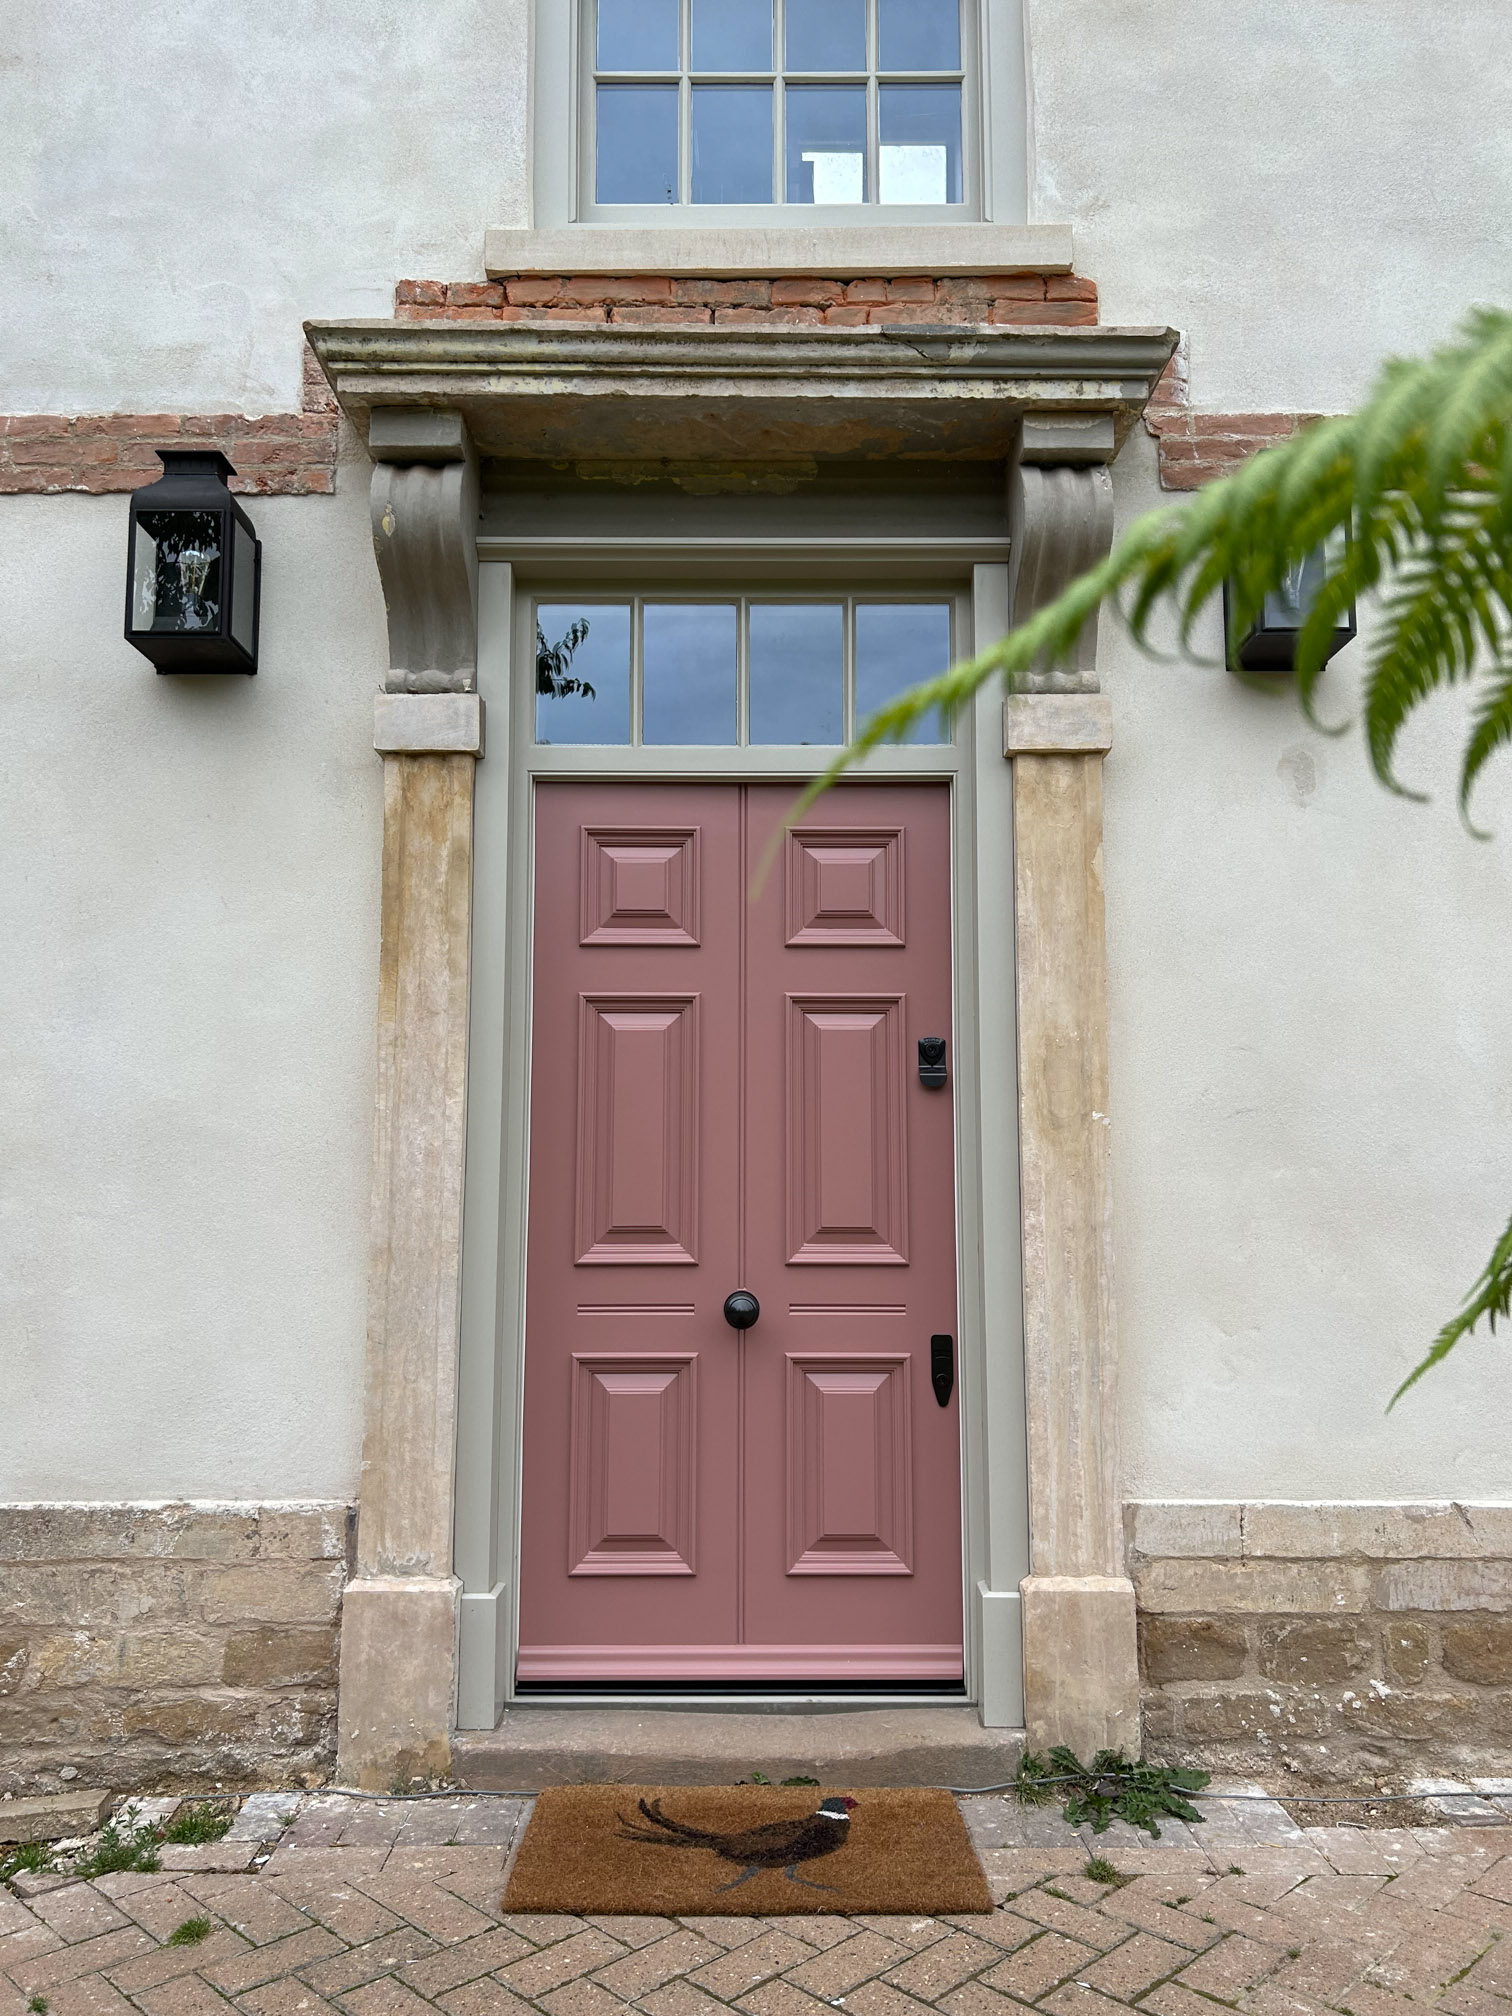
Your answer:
<point x="1194" y="448"/>
<point x="276" y="454"/>
<point x="1024" y="299"/>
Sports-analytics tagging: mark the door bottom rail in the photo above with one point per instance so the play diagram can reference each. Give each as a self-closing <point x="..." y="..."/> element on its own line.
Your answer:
<point x="783" y="1665"/>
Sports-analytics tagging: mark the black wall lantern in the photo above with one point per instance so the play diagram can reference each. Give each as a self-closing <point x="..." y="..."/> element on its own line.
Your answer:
<point x="1271" y="644"/>
<point x="193" y="568"/>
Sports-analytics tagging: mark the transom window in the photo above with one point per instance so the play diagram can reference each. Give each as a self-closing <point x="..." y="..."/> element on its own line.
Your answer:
<point x="741" y="671"/>
<point x="824" y="102"/>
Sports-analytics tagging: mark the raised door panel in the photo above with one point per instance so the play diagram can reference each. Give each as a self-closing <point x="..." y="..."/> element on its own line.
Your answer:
<point x="850" y="1484"/>
<point x="639" y="886"/>
<point x="634" y="1465"/>
<point x="847" y="1175"/>
<point x="845" y="886"/>
<point x="637" y="1169"/>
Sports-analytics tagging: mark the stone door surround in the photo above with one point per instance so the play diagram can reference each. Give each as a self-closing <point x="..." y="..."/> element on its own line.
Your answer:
<point x="1055" y="405"/>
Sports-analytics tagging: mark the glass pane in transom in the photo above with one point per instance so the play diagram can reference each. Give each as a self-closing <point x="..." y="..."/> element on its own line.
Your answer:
<point x="797" y="674"/>
<point x="582" y="672"/>
<point x="689" y="658"/>
<point x="898" y="644"/>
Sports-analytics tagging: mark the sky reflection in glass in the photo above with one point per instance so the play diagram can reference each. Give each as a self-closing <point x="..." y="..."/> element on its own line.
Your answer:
<point x="637" y="34"/>
<point x="600" y="657"/>
<point x="637" y="143"/>
<point x="797" y="673"/>
<point x="920" y="34"/>
<point x="826" y="34"/>
<point x="897" y="645"/>
<point x="688" y="656"/>
<point x="732" y="143"/>
<point x="732" y="34"/>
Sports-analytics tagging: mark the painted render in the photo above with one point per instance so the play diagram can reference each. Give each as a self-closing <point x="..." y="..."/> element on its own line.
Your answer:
<point x="1309" y="1078"/>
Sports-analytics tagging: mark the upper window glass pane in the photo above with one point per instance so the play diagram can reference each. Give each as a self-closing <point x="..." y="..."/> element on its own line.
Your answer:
<point x="897" y="645"/>
<point x="742" y="103"/>
<point x="582" y="670"/>
<point x="797" y="672"/>
<point x="826" y="143"/>
<point x="826" y="34"/>
<point x="732" y="143"/>
<point x="689" y="678"/>
<point x="732" y="34"/>
<point x="920" y="34"/>
<point x="637" y="143"/>
<point x="637" y="34"/>
<point x="921" y="143"/>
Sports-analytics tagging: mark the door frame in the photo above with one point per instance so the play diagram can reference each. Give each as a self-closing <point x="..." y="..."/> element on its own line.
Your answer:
<point x="994" y="1464"/>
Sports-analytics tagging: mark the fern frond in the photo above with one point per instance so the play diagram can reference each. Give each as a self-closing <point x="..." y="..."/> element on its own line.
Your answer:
<point x="1491" y="1297"/>
<point x="1491" y="731"/>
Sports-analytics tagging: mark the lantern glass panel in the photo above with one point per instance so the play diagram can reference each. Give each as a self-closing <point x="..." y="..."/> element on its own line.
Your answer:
<point x="1288" y="607"/>
<point x="176" y="584"/>
<point x="243" y="586"/>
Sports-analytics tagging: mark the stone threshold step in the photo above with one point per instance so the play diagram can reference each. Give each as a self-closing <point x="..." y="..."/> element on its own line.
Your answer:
<point x="536" y="1746"/>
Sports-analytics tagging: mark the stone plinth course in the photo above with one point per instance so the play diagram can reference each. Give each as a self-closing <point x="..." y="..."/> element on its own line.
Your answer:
<point x="389" y="1907"/>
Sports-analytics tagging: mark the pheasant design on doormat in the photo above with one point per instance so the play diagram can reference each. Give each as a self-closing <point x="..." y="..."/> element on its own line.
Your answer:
<point x="780" y="1844"/>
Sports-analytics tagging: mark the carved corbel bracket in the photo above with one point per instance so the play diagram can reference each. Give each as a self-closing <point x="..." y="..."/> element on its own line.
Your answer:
<point x="1060" y="517"/>
<point x="425" y="534"/>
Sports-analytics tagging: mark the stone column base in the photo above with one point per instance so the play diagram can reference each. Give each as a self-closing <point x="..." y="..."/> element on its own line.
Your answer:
<point x="1081" y="1663"/>
<point x="398" y="1668"/>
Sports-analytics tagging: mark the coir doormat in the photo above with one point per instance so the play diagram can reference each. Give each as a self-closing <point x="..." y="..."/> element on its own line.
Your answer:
<point x="754" y="1851"/>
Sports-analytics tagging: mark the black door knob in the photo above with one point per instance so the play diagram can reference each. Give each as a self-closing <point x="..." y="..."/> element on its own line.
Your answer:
<point x="741" y="1310"/>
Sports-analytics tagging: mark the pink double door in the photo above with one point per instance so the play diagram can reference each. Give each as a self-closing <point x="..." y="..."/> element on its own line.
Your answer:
<point x="726" y="1096"/>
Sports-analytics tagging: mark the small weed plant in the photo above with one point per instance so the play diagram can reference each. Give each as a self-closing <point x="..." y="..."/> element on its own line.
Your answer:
<point x="1101" y="1870"/>
<point x="190" y="1933"/>
<point x="34" y="1855"/>
<point x="1109" y="1788"/>
<point x="198" y="1823"/>
<point x="126" y="1841"/>
<point x="37" y="2005"/>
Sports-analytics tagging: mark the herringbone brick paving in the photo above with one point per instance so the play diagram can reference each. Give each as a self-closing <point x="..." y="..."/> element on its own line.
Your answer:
<point x="392" y="1909"/>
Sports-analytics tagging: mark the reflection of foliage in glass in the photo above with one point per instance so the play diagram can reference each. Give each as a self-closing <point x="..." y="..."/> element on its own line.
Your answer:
<point x="554" y="661"/>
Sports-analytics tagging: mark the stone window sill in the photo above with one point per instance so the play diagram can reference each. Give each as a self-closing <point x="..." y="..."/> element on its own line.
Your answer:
<point x="834" y="251"/>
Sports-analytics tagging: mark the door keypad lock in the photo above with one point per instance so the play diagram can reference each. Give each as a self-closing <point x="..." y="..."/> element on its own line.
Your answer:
<point x="932" y="1071"/>
<point x="942" y="1368"/>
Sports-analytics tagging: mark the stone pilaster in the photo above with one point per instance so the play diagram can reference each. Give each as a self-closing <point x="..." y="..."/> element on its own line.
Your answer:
<point x="399" y="1626"/>
<point x="1081" y="1674"/>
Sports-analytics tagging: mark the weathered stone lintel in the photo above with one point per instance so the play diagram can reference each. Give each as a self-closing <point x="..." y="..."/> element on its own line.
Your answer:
<point x="1057" y="724"/>
<point x="428" y="724"/>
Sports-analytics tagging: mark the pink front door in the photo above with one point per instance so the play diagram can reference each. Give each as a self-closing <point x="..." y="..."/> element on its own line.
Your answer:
<point x="726" y="1095"/>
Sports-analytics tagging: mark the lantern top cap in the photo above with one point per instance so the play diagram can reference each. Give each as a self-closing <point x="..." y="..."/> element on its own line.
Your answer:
<point x="195" y="462"/>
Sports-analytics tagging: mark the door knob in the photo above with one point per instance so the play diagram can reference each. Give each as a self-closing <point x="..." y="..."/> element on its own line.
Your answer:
<point x="741" y="1310"/>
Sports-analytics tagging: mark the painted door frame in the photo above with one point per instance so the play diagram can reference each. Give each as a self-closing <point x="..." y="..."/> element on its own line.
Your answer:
<point x="995" y="1537"/>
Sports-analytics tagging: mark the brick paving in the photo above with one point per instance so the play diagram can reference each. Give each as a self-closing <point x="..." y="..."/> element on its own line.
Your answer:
<point x="388" y="1908"/>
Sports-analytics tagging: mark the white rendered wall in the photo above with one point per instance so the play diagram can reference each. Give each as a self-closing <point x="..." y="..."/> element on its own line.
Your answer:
<point x="181" y="185"/>
<point x="189" y="879"/>
<point x="1311" y="1087"/>
<point x="1301" y="186"/>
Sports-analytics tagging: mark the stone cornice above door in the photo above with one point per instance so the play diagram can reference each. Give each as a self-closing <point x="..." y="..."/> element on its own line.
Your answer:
<point x="911" y="392"/>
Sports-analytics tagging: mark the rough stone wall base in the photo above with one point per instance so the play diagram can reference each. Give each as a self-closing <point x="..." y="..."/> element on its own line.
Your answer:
<point x="170" y="1644"/>
<point x="1341" y="1642"/>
